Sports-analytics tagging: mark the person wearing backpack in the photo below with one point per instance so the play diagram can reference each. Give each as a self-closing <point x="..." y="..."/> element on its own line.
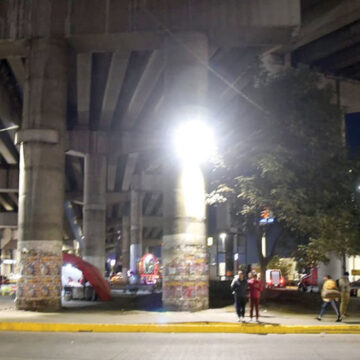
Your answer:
<point x="330" y="295"/>
<point x="239" y="286"/>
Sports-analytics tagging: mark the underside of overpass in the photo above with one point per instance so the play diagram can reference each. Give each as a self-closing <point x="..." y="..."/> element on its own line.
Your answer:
<point x="89" y="89"/>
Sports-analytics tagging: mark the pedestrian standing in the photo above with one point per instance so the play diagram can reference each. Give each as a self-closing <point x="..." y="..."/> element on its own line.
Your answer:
<point x="344" y="287"/>
<point x="239" y="287"/>
<point x="330" y="295"/>
<point x="255" y="287"/>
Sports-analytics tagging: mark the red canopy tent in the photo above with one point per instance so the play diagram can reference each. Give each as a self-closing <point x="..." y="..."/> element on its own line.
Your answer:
<point x="91" y="274"/>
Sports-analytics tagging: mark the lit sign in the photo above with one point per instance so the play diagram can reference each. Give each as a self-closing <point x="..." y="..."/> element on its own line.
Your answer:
<point x="267" y="217"/>
<point x="267" y="221"/>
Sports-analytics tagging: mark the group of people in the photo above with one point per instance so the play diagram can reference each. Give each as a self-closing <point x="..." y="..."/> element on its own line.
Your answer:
<point x="242" y="287"/>
<point x="332" y="292"/>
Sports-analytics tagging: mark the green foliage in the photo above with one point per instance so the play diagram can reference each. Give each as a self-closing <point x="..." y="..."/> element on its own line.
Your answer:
<point x="277" y="263"/>
<point x="290" y="157"/>
<point x="309" y="255"/>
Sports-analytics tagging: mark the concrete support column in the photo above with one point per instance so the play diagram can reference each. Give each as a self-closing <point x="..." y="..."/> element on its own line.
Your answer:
<point x="135" y="229"/>
<point x="94" y="211"/>
<point x="125" y="245"/>
<point x="42" y="165"/>
<point x="184" y="253"/>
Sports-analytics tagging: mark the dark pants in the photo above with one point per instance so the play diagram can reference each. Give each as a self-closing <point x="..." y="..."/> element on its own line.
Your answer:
<point x="254" y="302"/>
<point x="326" y="304"/>
<point x="240" y="302"/>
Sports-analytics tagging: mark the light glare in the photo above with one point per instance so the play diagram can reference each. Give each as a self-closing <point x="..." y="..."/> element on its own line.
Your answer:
<point x="194" y="141"/>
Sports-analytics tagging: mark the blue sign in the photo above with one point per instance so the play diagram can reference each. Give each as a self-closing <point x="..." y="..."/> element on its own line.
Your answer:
<point x="267" y="221"/>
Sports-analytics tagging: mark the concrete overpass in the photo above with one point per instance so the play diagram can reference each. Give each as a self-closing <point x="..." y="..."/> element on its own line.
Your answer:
<point x="94" y="87"/>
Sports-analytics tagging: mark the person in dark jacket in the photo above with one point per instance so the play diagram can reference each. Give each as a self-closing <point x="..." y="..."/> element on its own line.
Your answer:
<point x="239" y="287"/>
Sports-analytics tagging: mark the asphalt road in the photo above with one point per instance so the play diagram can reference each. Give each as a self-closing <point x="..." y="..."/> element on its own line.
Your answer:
<point x="144" y="346"/>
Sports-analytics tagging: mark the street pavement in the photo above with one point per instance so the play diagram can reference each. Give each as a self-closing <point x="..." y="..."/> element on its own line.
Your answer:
<point x="88" y="346"/>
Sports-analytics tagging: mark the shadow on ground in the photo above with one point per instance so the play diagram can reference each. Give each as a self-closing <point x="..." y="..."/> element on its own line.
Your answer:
<point x="148" y="302"/>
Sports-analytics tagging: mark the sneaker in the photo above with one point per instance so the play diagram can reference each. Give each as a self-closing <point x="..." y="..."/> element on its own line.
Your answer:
<point x="251" y="319"/>
<point x="243" y="319"/>
<point x="339" y="319"/>
<point x="318" y="318"/>
<point x="239" y="319"/>
<point x="257" y="320"/>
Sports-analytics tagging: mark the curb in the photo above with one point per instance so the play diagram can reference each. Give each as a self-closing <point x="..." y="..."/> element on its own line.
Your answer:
<point x="180" y="328"/>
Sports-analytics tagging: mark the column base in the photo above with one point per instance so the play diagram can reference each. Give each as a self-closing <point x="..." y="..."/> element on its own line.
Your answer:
<point x="50" y="305"/>
<point x="39" y="283"/>
<point x="185" y="275"/>
<point x="197" y="304"/>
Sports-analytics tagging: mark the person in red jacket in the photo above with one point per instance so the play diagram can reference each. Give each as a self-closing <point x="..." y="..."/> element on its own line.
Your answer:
<point x="255" y="288"/>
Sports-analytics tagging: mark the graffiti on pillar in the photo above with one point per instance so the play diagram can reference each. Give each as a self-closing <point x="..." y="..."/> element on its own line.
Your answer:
<point x="40" y="275"/>
<point x="186" y="278"/>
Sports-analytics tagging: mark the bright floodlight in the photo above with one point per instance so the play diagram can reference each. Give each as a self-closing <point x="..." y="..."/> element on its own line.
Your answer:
<point x="194" y="141"/>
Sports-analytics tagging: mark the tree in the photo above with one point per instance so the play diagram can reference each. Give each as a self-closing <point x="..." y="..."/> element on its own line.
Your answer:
<point x="287" y="154"/>
<point x="277" y="263"/>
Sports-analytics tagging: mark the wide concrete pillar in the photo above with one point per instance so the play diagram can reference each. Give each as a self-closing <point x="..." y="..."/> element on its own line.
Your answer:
<point x="135" y="228"/>
<point x="184" y="253"/>
<point x="41" y="189"/>
<point x="94" y="211"/>
<point x="125" y="245"/>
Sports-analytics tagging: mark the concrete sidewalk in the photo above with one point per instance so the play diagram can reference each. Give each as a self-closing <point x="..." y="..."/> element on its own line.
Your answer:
<point x="110" y="317"/>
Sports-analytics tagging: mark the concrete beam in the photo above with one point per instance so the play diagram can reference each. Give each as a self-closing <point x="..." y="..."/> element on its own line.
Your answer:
<point x="84" y="64"/>
<point x="147" y="232"/>
<point x="342" y="59"/>
<point x="150" y="206"/>
<point x="9" y="113"/>
<point x="152" y="242"/>
<point x="151" y="182"/>
<point x="80" y="142"/>
<point x="9" y="180"/>
<point x="18" y="68"/>
<point x="147" y="221"/>
<point x="321" y="22"/>
<point x="126" y="41"/>
<point x="10" y="48"/>
<point x="329" y="44"/>
<point x="77" y="172"/>
<point x="111" y="197"/>
<point x="8" y="150"/>
<point x="111" y="173"/>
<point x="129" y="171"/>
<point x="117" y="71"/>
<point x="14" y="197"/>
<point x="116" y="197"/>
<point x="115" y="143"/>
<point x="8" y="220"/>
<point x="144" y="88"/>
<point x="6" y="204"/>
<point x="152" y="221"/>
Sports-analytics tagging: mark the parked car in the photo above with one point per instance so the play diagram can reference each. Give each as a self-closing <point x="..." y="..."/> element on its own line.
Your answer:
<point x="354" y="287"/>
<point x="274" y="278"/>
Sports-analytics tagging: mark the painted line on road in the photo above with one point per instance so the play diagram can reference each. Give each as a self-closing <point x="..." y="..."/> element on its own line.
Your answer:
<point x="181" y="328"/>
